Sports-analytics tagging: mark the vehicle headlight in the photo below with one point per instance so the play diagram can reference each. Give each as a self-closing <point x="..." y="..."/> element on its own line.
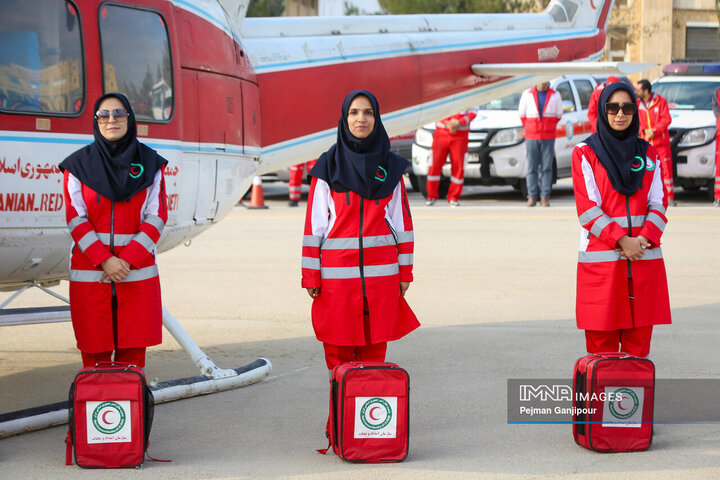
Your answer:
<point x="697" y="136"/>
<point x="424" y="137"/>
<point x="507" y="137"/>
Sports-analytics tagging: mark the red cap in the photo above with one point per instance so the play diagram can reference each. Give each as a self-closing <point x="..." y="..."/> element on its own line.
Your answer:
<point x="612" y="79"/>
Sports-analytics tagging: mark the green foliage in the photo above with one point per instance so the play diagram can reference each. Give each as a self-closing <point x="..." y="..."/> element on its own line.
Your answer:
<point x="456" y="6"/>
<point x="266" y="8"/>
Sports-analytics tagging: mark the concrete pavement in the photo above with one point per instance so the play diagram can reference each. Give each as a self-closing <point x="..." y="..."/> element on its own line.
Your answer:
<point x="494" y="289"/>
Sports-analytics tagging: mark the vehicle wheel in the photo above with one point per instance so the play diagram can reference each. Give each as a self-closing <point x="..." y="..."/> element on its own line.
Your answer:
<point x="414" y="181"/>
<point x="554" y="172"/>
<point x="442" y="190"/>
<point x="521" y="186"/>
<point x="711" y="189"/>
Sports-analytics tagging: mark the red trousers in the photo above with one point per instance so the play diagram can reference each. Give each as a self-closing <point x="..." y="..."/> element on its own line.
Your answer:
<point x="296" y="177"/>
<point x="338" y="354"/>
<point x="717" y="166"/>
<point x="666" y="168"/>
<point x="457" y="146"/>
<point x="134" y="356"/>
<point x="635" y="341"/>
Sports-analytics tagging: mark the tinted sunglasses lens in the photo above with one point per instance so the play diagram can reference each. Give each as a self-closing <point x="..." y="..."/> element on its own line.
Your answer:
<point x="102" y="116"/>
<point x="120" y="113"/>
<point x="612" y="108"/>
<point x="629" y="108"/>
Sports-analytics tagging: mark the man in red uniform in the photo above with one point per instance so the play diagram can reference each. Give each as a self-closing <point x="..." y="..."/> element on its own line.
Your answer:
<point x="295" y="181"/>
<point x="451" y="135"/>
<point x="540" y="110"/>
<point x="716" y="111"/>
<point x="593" y="106"/>
<point x="654" y="116"/>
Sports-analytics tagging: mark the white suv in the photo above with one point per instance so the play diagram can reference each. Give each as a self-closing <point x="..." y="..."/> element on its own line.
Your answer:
<point x="689" y="89"/>
<point x="496" y="150"/>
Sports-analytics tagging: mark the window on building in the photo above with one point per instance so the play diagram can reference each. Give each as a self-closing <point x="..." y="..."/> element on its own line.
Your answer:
<point x="41" y="65"/>
<point x="618" y="44"/>
<point x="136" y="60"/>
<point x="584" y="89"/>
<point x="702" y="42"/>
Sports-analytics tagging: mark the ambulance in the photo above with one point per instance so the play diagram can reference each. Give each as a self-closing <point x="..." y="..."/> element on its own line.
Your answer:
<point x="496" y="150"/>
<point x="689" y="89"/>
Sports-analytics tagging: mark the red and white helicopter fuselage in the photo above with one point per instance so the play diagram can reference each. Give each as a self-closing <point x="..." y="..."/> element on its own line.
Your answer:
<point x="249" y="96"/>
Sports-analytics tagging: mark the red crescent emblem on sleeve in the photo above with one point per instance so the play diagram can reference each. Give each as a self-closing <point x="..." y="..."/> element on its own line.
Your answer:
<point x="370" y="414"/>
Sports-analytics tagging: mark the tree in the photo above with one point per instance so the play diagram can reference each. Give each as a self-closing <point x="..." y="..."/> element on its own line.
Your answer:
<point x="458" y="6"/>
<point x="266" y="8"/>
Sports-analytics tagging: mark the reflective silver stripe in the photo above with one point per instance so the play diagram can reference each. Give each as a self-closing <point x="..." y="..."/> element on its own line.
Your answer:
<point x="341" y="243"/>
<point x="659" y="208"/>
<point x="590" y="214"/>
<point x="378" y="241"/>
<point x="613" y="256"/>
<point x="455" y="180"/>
<point x="354" y="242"/>
<point x="599" y="225"/>
<point x="312" y="240"/>
<point x="656" y="220"/>
<point x="88" y="239"/>
<point x="404" y="237"/>
<point x="339" y="273"/>
<point x="381" y="270"/>
<point x="637" y="221"/>
<point x="156" y="222"/>
<point x="405" y="259"/>
<point x="312" y="263"/>
<point x="433" y="178"/>
<point x="95" y="275"/>
<point x="75" y="222"/>
<point x="144" y="239"/>
<point x="120" y="240"/>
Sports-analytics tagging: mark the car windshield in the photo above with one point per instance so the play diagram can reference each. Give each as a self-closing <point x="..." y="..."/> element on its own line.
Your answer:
<point x="687" y="95"/>
<point x="508" y="102"/>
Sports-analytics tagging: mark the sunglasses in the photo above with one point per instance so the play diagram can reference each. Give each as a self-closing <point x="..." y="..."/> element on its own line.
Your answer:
<point x="628" y="108"/>
<point x="119" y="114"/>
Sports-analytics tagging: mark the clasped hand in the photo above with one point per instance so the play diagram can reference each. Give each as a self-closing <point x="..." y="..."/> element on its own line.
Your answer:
<point x="632" y="248"/>
<point x="114" y="269"/>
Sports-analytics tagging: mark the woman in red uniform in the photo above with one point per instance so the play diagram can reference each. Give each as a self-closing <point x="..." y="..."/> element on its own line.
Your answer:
<point x="116" y="209"/>
<point x="358" y="242"/>
<point x="621" y="283"/>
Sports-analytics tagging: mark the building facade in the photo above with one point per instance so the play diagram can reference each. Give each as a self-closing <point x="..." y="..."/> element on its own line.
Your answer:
<point x="659" y="31"/>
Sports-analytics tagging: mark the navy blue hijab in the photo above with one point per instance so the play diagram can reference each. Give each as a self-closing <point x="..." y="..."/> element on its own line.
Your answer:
<point x="119" y="169"/>
<point x="365" y="166"/>
<point x="621" y="153"/>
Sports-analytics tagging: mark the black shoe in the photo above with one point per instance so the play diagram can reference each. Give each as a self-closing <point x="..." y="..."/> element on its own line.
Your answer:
<point x="293" y="203"/>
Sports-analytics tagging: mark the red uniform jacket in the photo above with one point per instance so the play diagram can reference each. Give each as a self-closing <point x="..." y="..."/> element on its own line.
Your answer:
<point x="129" y="230"/>
<point x="593" y="107"/>
<point x="602" y="274"/>
<point x="537" y="128"/>
<point x="656" y="115"/>
<point x="354" y="248"/>
<point x="462" y="132"/>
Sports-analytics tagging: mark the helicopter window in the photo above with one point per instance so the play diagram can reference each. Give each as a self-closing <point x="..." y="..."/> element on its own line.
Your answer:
<point x="41" y="66"/>
<point x="136" y="60"/>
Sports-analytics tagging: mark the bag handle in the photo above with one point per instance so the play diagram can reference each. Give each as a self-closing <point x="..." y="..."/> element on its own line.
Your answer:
<point x="613" y="355"/>
<point x="109" y="363"/>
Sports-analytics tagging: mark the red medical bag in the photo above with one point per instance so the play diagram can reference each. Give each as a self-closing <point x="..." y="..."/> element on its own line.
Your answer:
<point x="111" y="412"/>
<point x="613" y="400"/>
<point x="369" y="412"/>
